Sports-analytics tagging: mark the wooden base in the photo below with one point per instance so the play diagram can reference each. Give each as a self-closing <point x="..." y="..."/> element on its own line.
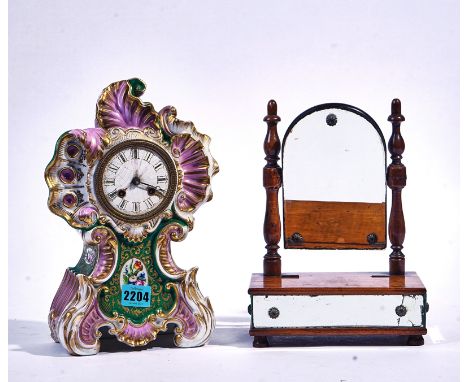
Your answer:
<point x="338" y="304"/>
<point x="341" y="331"/>
<point x="335" y="337"/>
<point x="333" y="283"/>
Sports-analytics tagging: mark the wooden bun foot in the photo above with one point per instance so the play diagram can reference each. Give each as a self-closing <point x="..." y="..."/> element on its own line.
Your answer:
<point x="415" y="341"/>
<point x="260" y="342"/>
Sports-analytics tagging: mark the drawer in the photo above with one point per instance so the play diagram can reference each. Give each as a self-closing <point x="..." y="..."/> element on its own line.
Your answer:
<point x="294" y="311"/>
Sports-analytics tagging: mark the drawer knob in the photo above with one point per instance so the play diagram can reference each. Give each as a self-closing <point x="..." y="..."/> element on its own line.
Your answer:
<point x="273" y="312"/>
<point x="400" y="310"/>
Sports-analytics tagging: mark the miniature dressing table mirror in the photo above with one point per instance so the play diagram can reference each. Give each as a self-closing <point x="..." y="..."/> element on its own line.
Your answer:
<point x="334" y="178"/>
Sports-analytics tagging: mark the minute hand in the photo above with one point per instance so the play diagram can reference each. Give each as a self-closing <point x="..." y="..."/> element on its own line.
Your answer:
<point x="155" y="189"/>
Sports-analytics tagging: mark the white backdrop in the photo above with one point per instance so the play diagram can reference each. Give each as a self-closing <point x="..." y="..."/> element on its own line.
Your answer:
<point x="219" y="63"/>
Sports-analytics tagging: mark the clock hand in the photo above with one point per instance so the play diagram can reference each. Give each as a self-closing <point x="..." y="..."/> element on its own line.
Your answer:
<point x="138" y="168"/>
<point x="152" y="190"/>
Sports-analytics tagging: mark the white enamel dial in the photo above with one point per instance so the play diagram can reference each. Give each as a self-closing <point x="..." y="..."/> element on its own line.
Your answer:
<point x="135" y="181"/>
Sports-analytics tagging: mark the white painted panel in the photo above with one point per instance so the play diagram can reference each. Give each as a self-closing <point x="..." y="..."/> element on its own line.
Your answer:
<point x="333" y="311"/>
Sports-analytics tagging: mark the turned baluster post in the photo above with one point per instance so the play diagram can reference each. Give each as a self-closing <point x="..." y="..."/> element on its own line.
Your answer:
<point x="396" y="180"/>
<point x="272" y="183"/>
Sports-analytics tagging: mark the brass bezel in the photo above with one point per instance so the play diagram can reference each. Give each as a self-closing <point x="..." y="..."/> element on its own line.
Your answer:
<point x="171" y="189"/>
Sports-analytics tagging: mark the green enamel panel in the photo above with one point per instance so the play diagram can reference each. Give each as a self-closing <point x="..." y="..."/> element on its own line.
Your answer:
<point x="163" y="296"/>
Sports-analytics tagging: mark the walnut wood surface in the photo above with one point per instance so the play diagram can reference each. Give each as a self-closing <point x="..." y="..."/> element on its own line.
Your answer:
<point x="344" y="225"/>
<point x="272" y="183"/>
<point x="370" y="331"/>
<point x="396" y="180"/>
<point x="337" y="283"/>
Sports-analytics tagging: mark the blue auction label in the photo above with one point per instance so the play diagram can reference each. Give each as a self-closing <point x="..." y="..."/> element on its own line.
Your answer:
<point x="136" y="295"/>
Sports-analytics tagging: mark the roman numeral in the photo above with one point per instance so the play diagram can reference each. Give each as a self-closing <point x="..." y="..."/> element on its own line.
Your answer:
<point x="113" y="168"/>
<point x="135" y="154"/>
<point x="148" y="157"/>
<point x="148" y="203"/>
<point x="122" y="158"/>
<point x="109" y="182"/>
<point x="123" y="203"/>
<point x="156" y="167"/>
<point x="162" y="179"/>
<point x="112" y="194"/>
<point x="136" y="206"/>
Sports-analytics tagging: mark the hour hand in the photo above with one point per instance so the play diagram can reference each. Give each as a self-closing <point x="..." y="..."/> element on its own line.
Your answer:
<point x="152" y="190"/>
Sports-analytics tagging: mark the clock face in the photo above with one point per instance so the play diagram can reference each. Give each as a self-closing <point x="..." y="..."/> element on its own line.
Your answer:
<point x="136" y="180"/>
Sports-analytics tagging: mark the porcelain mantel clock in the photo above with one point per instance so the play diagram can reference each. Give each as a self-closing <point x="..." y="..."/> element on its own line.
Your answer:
<point x="131" y="186"/>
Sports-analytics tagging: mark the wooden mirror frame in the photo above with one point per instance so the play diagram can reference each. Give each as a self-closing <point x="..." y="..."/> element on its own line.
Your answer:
<point x="371" y="230"/>
<point x="272" y="181"/>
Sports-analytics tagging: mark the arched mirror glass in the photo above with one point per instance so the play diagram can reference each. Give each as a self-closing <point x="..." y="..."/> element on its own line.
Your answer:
<point x="334" y="188"/>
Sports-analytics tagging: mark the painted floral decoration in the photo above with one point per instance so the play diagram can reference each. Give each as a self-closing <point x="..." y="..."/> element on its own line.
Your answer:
<point x="134" y="273"/>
